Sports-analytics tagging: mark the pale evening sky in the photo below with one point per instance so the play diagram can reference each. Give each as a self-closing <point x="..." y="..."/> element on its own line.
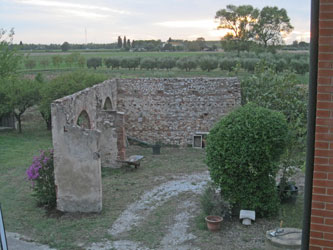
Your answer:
<point x="56" y="21"/>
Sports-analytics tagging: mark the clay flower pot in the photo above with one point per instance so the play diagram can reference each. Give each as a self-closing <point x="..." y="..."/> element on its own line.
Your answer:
<point x="213" y="222"/>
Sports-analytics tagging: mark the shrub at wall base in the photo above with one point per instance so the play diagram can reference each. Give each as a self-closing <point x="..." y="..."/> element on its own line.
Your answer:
<point x="41" y="174"/>
<point x="243" y="150"/>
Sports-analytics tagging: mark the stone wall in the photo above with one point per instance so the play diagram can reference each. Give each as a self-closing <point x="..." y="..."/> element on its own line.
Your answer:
<point x="88" y="131"/>
<point x="85" y="136"/>
<point x="172" y="110"/>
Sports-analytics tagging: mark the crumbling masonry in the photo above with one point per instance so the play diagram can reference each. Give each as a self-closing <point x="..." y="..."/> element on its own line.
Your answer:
<point x="88" y="127"/>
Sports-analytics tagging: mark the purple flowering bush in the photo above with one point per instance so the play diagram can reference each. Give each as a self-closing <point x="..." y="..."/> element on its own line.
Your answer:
<point x="41" y="174"/>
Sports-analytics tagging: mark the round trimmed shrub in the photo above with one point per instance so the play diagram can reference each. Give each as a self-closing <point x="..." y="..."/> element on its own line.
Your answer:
<point x="243" y="150"/>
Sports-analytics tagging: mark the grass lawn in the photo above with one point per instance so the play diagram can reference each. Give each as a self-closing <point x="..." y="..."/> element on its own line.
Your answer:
<point x="121" y="187"/>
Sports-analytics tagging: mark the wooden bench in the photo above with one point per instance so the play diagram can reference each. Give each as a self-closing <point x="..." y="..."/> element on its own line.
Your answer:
<point x="133" y="160"/>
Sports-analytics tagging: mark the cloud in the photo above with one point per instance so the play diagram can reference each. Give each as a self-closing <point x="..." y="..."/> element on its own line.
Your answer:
<point x="81" y="10"/>
<point x="204" y="23"/>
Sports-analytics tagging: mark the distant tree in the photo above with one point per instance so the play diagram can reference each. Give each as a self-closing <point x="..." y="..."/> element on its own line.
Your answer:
<point x="94" y="62"/>
<point x="166" y="63"/>
<point x="21" y="44"/>
<point x="270" y="25"/>
<point x="208" y="63"/>
<point x="44" y="62"/>
<point x="188" y="63"/>
<point x="128" y="43"/>
<point x="201" y="42"/>
<point x="130" y="62"/>
<point x="65" y="46"/>
<point x="81" y="62"/>
<point x="120" y="42"/>
<point x="124" y="42"/>
<point x="148" y="63"/>
<point x="72" y="58"/>
<point x="112" y="62"/>
<point x="30" y="64"/>
<point x="239" y="21"/>
<point x="56" y="60"/>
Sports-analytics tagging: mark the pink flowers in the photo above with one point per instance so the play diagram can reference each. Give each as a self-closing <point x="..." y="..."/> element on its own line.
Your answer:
<point x="39" y="162"/>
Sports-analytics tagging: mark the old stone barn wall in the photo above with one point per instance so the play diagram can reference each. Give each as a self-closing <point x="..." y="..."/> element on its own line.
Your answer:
<point x="173" y="110"/>
<point x="87" y="131"/>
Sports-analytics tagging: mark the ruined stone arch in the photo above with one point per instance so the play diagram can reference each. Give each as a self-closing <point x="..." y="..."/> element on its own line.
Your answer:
<point x="107" y="104"/>
<point x="83" y="120"/>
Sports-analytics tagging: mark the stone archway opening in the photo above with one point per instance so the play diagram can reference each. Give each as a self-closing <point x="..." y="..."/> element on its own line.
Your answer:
<point x="83" y="120"/>
<point x="108" y="104"/>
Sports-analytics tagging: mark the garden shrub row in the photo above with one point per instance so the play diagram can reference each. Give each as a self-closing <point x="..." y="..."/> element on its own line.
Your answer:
<point x="298" y="63"/>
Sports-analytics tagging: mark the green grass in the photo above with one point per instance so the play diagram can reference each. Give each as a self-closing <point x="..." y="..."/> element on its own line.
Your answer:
<point x="120" y="188"/>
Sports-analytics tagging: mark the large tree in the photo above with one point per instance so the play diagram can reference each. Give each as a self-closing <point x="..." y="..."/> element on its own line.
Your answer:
<point x="238" y="20"/>
<point x="271" y="25"/>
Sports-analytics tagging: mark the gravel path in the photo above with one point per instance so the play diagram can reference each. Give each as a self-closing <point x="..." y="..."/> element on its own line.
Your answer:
<point x="177" y="236"/>
<point x="149" y="201"/>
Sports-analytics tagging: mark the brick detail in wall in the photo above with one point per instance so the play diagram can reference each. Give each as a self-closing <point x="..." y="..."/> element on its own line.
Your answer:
<point x="321" y="229"/>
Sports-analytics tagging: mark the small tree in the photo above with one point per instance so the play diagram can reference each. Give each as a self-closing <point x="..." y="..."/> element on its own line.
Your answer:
<point x="30" y="64"/>
<point x="208" y="63"/>
<point x="44" y="62"/>
<point x="166" y="63"/>
<point x="148" y="63"/>
<point x="56" y="60"/>
<point x="243" y="150"/>
<point x="20" y="95"/>
<point x="112" y="62"/>
<point x="81" y="61"/>
<point x="94" y="62"/>
<point x="130" y="62"/>
<point x="65" y="46"/>
<point x="187" y="63"/>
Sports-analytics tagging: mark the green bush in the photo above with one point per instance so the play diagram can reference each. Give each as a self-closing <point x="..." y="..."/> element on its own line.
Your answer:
<point x="166" y="63"/>
<point x="299" y="66"/>
<point x="228" y="63"/>
<point x="148" y="63"/>
<point x="243" y="150"/>
<point x="130" y="62"/>
<point x="41" y="174"/>
<point x="94" y="62"/>
<point x="249" y="64"/>
<point x="30" y="64"/>
<point x="186" y="63"/>
<point x="208" y="63"/>
<point x="112" y="62"/>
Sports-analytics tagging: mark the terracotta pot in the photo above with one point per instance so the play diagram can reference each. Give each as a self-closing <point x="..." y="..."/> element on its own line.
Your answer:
<point x="213" y="222"/>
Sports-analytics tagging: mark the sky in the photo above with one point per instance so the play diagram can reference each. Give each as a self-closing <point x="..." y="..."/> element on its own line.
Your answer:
<point x="102" y="21"/>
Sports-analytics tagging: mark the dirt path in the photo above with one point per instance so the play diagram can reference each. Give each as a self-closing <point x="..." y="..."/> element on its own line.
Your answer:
<point x="177" y="234"/>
